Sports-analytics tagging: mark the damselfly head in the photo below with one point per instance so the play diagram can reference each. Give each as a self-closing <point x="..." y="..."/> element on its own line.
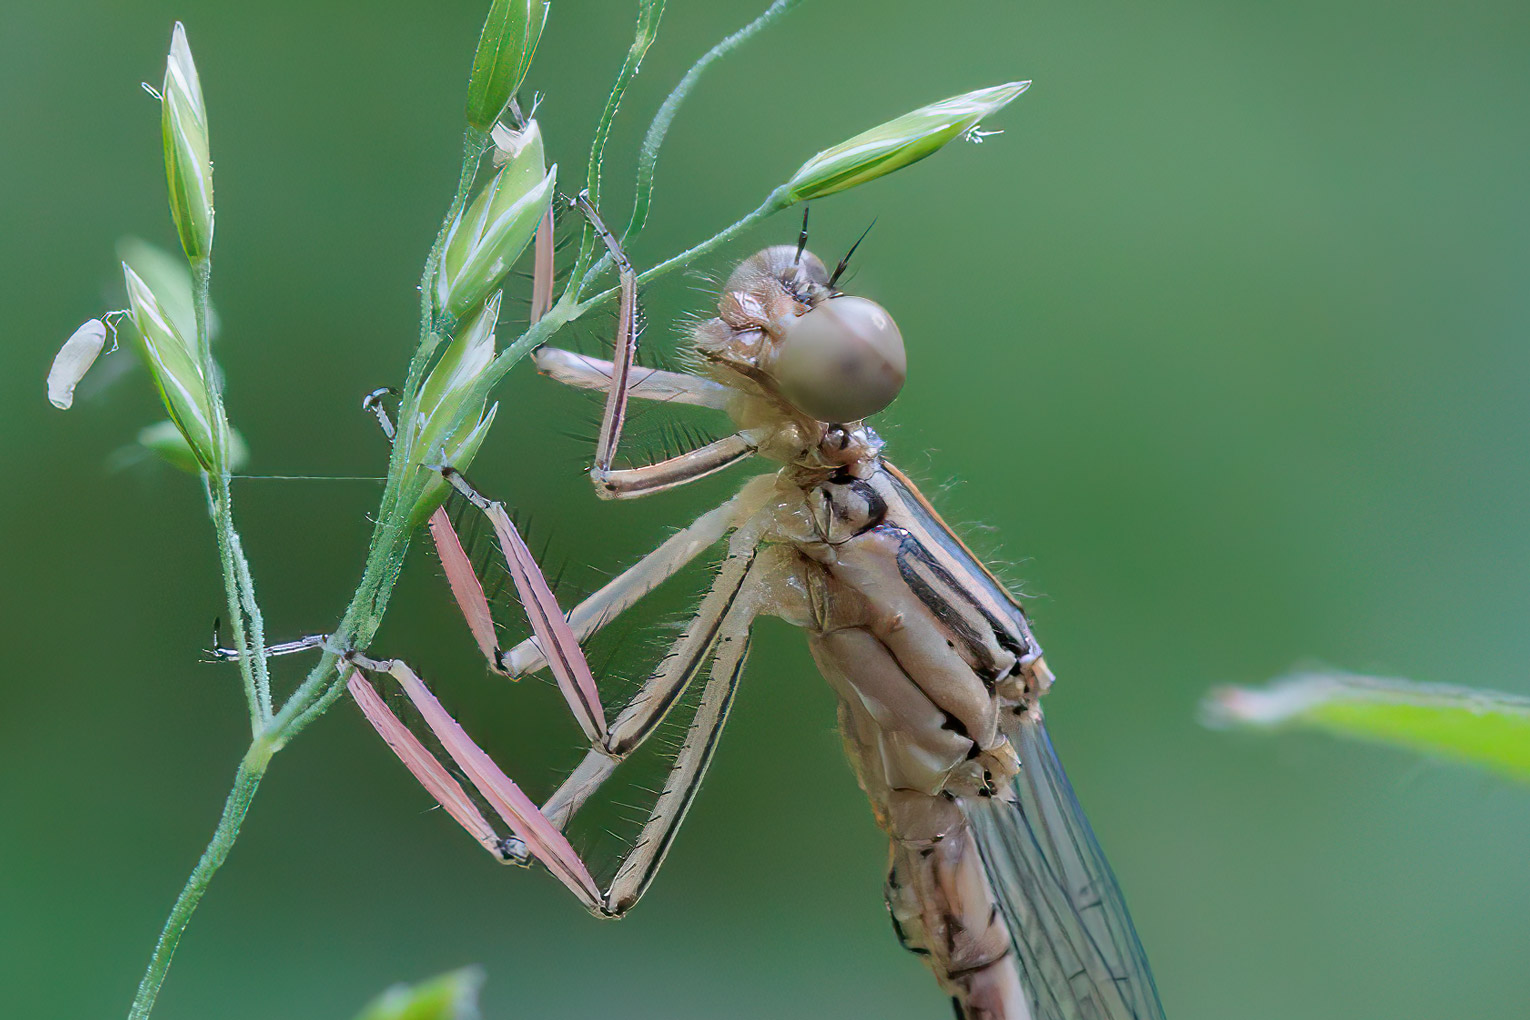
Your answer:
<point x="797" y="273"/>
<point x="781" y="323"/>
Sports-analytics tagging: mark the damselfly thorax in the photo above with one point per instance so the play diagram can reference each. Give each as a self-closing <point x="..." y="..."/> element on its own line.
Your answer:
<point x="995" y="877"/>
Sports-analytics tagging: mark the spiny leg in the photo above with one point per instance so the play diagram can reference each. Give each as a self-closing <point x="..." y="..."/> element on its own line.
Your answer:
<point x="681" y="664"/>
<point x="719" y="631"/>
<point x="552" y="631"/>
<point x="614" y="598"/>
<point x="220" y="653"/>
<point x="562" y="636"/>
<point x="684" y="780"/>
<point x="543" y="270"/>
<point x="627" y="327"/>
<point x="622" y="591"/>
<point x="466" y="589"/>
<point x="719" y="634"/>
<point x="629" y="483"/>
<point x="419" y="761"/>
<point x="528" y="823"/>
<point x="585" y="372"/>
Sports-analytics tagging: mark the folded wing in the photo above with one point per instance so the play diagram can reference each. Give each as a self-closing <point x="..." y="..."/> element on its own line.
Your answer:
<point x="1078" y="954"/>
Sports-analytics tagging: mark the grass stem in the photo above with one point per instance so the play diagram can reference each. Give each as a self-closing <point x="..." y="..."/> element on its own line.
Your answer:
<point x="246" y="782"/>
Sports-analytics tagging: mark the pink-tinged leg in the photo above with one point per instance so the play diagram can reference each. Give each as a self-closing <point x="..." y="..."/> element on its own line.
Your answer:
<point x="553" y="634"/>
<point x="716" y="641"/>
<point x="431" y="775"/>
<point x="525" y="819"/>
<point x="626" y="346"/>
<point x="465" y="586"/>
<point x="642" y="577"/>
<point x="621" y="383"/>
<point x="542" y="268"/>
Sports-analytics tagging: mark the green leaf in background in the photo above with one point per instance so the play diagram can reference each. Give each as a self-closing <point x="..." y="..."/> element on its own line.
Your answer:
<point x="1487" y="728"/>
<point x="452" y="996"/>
<point x="164" y="439"/>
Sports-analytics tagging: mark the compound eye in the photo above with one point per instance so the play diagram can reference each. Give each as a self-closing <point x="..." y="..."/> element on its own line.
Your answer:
<point x="841" y="360"/>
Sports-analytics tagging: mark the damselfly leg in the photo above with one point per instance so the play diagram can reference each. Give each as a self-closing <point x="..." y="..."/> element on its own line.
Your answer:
<point x="715" y="643"/>
<point x="220" y="653"/>
<point x="628" y="483"/>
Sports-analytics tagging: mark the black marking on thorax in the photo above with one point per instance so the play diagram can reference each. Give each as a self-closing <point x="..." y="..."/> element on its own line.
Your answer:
<point x="843" y="509"/>
<point x="940" y="592"/>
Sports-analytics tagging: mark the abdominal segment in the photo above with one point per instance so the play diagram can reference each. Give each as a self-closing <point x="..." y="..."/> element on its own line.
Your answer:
<point x="917" y="761"/>
<point x="943" y="909"/>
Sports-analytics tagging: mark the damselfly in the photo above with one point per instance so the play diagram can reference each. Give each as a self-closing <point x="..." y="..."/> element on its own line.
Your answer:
<point x="995" y="876"/>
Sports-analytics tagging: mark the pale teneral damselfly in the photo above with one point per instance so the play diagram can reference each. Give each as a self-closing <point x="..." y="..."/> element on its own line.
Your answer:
<point x="996" y="879"/>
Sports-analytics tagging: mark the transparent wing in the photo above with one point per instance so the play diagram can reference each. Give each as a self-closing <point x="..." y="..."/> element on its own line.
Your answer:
<point x="1078" y="954"/>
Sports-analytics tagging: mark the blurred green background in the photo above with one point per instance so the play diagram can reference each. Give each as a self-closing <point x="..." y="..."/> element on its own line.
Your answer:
<point x="1223" y="338"/>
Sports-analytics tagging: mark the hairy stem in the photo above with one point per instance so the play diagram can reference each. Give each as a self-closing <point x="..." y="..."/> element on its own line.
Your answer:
<point x="307" y="704"/>
<point x="238" y="584"/>
<point x="390" y="536"/>
<point x="649" y="12"/>
<point x="774" y="203"/>
<point x="249" y="637"/>
<point x="246" y="781"/>
<point x="220" y="510"/>
<point x="648" y="156"/>
<point x="474" y="142"/>
<point x="357" y="625"/>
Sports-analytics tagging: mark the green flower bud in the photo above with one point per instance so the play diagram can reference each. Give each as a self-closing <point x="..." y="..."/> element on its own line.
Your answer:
<point x="505" y="48"/>
<point x="177" y="374"/>
<point x="188" y="165"/>
<point x="441" y="400"/>
<point x="459" y="453"/>
<point x="168" y="276"/>
<point x="164" y="439"/>
<point x="897" y="143"/>
<point x="487" y="239"/>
